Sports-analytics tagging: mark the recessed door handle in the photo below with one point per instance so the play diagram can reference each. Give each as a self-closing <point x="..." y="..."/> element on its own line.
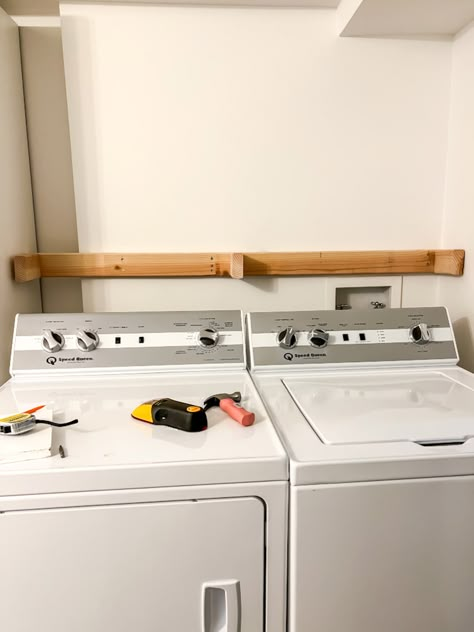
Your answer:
<point x="221" y="606"/>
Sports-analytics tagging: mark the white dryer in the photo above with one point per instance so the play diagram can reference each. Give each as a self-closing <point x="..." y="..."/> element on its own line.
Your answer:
<point x="378" y="422"/>
<point x="127" y="525"/>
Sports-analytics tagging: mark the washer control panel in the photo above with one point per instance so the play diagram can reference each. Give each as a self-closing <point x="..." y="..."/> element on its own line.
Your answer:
<point x="150" y="340"/>
<point x="351" y="337"/>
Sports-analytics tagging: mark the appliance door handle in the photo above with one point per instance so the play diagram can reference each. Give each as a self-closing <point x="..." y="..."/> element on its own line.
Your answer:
<point x="221" y="606"/>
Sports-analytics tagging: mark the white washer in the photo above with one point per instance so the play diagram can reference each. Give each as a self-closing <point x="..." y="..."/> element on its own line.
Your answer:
<point x="139" y="526"/>
<point x="378" y="422"/>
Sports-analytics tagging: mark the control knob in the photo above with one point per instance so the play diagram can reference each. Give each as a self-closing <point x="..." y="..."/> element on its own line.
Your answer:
<point x="208" y="337"/>
<point x="87" y="340"/>
<point x="420" y="334"/>
<point x="286" y="338"/>
<point x="318" y="338"/>
<point x="52" y="341"/>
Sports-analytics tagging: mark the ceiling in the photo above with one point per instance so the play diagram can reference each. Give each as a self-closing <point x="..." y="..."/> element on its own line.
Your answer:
<point x="363" y="18"/>
<point x="409" y="17"/>
<point x="51" y="7"/>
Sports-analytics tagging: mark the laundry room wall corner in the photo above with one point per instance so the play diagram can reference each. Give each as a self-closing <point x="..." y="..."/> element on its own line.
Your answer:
<point x="50" y="157"/>
<point x="458" y="293"/>
<point x="17" y="229"/>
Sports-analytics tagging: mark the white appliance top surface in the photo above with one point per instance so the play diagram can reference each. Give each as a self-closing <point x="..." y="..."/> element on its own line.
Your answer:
<point x="379" y="407"/>
<point x="376" y="424"/>
<point x="108" y="449"/>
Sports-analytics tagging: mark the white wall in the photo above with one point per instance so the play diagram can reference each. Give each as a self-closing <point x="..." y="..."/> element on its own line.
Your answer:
<point x="50" y="158"/>
<point x="200" y="129"/>
<point x="458" y="294"/>
<point x="17" y="232"/>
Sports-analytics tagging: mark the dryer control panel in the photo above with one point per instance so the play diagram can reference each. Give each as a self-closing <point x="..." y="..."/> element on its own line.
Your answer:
<point x="130" y="340"/>
<point x="404" y="335"/>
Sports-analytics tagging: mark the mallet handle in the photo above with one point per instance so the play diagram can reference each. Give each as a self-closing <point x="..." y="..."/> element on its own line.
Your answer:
<point x="237" y="413"/>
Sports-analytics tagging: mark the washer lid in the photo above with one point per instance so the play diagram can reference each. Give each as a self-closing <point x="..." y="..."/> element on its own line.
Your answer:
<point x="426" y="408"/>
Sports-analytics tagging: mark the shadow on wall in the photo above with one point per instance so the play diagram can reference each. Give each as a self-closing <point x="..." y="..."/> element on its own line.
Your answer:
<point x="465" y="342"/>
<point x="50" y="158"/>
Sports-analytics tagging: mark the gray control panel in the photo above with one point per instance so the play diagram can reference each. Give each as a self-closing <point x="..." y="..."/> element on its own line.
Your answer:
<point x="337" y="337"/>
<point x="154" y="340"/>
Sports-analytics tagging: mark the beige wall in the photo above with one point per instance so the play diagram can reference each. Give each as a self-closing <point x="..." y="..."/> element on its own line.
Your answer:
<point x="50" y="156"/>
<point x="228" y="129"/>
<point x="17" y="231"/>
<point x="385" y="79"/>
<point x="458" y="294"/>
<point x="30" y="7"/>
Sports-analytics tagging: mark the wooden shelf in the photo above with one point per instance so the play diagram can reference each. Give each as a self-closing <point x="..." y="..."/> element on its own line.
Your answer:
<point x="28" y="267"/>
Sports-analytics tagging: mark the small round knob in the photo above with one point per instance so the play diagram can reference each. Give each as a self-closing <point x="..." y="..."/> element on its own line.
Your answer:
<point x="208" y="337"/>
<point x="318" y="338"/>
<point x="87" y="340"/>
<point x="52" y="341"/>
<point x="420" y="334"/>
<point x="287" y="338"/>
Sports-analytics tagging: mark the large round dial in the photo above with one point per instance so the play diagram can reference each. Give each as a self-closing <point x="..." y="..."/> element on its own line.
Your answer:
<point x="87" y="340"/>
<point x="318" y="338"/>
<point x="420" y="334"/>
<point x="287" y="338"/>
<point x="52" y="341"/>
<point x="208" y="337"/>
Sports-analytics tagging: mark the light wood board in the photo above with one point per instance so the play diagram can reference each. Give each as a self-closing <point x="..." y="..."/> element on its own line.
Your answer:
<point x="237" y="265"/>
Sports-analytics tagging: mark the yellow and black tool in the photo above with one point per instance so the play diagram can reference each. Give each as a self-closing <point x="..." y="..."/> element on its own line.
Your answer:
<point x="169" y="412"/>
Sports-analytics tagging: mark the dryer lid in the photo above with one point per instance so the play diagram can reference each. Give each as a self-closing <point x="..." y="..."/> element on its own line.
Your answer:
<point x="424" y="407"/>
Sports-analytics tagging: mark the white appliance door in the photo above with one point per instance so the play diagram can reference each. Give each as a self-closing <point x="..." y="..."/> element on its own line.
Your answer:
<point x="392" y="557"/>
<point x="195" y="566"/>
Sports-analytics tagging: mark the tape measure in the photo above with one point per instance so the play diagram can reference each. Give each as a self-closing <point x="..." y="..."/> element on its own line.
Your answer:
<point x="17" y="424"/>
<point x="24" y="422"/>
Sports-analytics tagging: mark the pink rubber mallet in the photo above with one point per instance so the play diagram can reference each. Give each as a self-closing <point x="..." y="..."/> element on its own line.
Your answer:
<point x="227" y="402"/>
